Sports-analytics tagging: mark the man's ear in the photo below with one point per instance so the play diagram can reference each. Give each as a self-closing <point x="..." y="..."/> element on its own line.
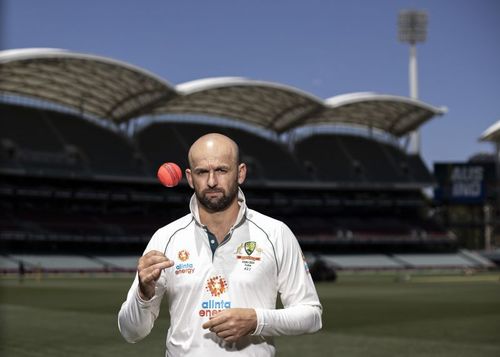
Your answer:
<point x="189" y="178"/>
<point x="242" y="173"/>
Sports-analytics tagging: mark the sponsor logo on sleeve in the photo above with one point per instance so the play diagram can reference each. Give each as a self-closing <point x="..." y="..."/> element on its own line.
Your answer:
<point x="217" y="286"/>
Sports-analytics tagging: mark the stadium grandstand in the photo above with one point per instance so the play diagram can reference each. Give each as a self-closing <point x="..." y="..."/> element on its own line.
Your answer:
<point x="82" y="136"/>
<point x="492" y="135"/>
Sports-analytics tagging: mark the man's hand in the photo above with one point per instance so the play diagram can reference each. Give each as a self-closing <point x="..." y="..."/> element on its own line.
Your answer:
<point x="149" y="269"/>
<point x="231" y="324"/>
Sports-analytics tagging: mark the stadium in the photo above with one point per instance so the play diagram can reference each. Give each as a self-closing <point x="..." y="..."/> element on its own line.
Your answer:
<point x="82" y="137"/>
<point x="80" y="177"/>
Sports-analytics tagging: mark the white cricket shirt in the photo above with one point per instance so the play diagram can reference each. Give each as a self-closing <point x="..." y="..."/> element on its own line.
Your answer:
<point x="259" y="259"/>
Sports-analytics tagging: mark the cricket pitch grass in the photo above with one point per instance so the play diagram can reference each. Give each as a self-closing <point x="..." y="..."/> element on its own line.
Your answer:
<point x="383" y="314"/>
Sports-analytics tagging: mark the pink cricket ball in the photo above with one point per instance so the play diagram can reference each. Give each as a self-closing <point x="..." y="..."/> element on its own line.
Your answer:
<point x="169" y="174"/>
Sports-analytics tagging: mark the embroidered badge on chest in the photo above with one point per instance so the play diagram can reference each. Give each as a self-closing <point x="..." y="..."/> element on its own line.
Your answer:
<point x="248" y="253"/>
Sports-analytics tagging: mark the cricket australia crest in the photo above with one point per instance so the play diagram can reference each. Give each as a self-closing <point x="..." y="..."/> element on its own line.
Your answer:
<point x="250" y="247"/>
<point x="248" y="253"/>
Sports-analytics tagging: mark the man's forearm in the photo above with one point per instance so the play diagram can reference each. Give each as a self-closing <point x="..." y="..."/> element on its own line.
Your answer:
<point x="294" y="320"/>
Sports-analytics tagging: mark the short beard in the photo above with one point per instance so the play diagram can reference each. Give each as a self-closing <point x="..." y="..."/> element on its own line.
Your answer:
<point x="220" y="204"/>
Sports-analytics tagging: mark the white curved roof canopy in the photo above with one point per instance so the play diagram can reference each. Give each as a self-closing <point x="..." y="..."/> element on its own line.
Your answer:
<point x="93" y="85"/>
<point x="492" y="133"/>
<point x="269" y="105"/>
<point x="392" y="114"/>
<point x="118" y="91"/>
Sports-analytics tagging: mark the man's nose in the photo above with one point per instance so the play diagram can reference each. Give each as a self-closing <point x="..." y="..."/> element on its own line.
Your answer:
<point x="212" y="179"/>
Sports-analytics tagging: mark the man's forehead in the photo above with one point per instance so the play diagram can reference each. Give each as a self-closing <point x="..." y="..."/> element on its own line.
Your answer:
<point x="212" y="147"/>
<point x="205" y="162"/>
<point x="209" y="153"/>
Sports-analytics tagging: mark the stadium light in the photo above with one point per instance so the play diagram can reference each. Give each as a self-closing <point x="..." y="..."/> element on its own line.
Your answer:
<point x="412" y="29"/>
<point x="412" y="26"/>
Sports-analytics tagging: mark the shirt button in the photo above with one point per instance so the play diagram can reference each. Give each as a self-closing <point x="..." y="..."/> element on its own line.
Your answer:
<point x="212" y="241"/>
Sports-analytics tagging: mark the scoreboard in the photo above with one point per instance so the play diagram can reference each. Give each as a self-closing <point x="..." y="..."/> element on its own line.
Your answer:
<point x="465" y="183"/>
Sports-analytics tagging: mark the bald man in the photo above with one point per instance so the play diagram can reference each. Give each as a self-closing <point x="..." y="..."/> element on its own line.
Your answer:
<point x="221" y="267"/>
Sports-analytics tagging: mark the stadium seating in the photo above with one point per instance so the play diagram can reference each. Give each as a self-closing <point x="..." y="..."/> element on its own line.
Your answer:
<point x="159" y="143"/>
<point x="169" y="141"/>
<point x="59" y="143"/>
<point x="269" y="160"/>
<point x="376" y="165"/>
<point x="58" y="263"/>
<point x="451" y="260"/>
<point x="29" y="142"/>
<point x="105" y="151"/>
<point x="408" y="262"/>
<point x="8" y="265"/>
<point x="372" y="261"/>
<point x="418" y="169"/>
<point x="350" y="262"/>
<point x="353" y="158"/>
<point x="326" y="160"/>
<point x="49" y="142"/>
<point x="29" y="129"/>
<point x="71" y="186"/>
<point x="118" y="263"/>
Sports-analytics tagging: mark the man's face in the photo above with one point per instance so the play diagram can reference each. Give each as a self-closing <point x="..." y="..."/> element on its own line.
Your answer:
<point x="215" y="193"/>
<point x="214" y="172"/>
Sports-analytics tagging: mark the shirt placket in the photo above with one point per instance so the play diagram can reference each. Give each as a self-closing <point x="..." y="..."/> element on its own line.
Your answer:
<point x="212" y="240"/>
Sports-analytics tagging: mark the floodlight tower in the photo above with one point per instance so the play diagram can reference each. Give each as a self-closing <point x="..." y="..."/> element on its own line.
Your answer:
<point x="413" y="29"/>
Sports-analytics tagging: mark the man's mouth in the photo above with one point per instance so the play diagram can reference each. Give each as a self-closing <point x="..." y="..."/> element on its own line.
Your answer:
<point x="213" y="193"/>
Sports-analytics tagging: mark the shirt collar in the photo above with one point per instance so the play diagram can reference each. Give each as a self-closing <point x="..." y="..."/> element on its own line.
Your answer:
<point x="193" y="206"/>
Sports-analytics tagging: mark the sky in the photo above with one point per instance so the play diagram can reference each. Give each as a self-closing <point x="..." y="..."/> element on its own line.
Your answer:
<point x="326" y="48"/>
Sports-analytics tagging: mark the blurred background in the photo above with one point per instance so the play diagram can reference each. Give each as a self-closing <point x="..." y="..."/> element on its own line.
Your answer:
<point x="371" y="128"/>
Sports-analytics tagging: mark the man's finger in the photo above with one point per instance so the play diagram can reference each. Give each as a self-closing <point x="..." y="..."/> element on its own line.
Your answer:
<point x="152" y="257"/>
<point x="153" y="253"/>
<point x="162" y="265"/>
<point x="149" y="274"/>
<point x="207" y="324"/>
<point x="154" y="270"/>
<point x="151" y="265"/>
<point x="215" y="321"/>
<point x="147" y="261"/>
<point x="225" y="334"/>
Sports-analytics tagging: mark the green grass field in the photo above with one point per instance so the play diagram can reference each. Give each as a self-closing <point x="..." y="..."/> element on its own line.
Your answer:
<point x="364" y="315"/>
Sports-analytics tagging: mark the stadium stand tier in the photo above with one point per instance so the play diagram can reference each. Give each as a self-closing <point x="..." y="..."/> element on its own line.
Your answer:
<point x="78" y="189"/>
<point x="103" y="194"/>
<point x="359" y="159"/>
<point x="462" y="260"/>
<point x="267" y="160"/>
<point x="52" y="143"/>
<point x="51" y="263"/>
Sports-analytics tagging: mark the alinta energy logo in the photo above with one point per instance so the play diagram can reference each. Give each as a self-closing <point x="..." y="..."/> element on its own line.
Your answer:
<point x="217" y="286"/>
<point x="183" y="255"/>
<point x="183" y="268"/>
